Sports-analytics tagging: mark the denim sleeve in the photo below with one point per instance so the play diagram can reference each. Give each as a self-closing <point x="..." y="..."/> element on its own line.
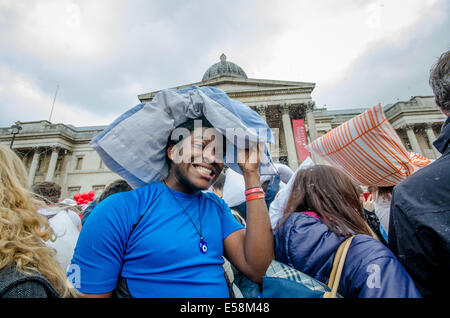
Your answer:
<point x="26" y="289"/>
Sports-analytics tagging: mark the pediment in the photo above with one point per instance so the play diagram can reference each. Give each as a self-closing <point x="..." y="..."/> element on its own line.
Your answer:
<point x="237" y="86"/>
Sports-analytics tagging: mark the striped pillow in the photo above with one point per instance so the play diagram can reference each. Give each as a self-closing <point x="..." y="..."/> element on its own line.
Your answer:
<point x="368" y="149"/>
<point x="419" y="160"/>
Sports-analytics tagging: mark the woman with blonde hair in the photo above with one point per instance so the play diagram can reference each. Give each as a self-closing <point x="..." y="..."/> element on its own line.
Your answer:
<point x="28" y="268"/>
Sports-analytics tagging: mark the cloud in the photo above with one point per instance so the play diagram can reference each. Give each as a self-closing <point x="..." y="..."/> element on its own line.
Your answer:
<point x="104" y="53"/>
<point x="60" y="31"/>
<point x="22" y="100"/>
<point x="395" y="67"/>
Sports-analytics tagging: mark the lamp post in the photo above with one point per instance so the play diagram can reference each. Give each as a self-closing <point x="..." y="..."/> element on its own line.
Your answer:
<point x="15" y="129"/>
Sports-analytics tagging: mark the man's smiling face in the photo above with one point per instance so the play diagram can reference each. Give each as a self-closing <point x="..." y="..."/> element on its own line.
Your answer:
<point x="195" y="161"/>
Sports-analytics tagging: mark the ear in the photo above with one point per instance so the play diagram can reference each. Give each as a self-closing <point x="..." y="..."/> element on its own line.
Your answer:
<point x="175" y="153"/>
<point x="170" y="152"/>
<point x="445" y="112"/>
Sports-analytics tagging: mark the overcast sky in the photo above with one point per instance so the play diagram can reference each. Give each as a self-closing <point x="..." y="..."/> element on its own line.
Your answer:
<point x="103" y="53"/>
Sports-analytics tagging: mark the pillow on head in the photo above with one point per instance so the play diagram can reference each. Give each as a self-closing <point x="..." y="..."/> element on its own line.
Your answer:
<point x="134" y="145"/>
<point x="368" y="149"/>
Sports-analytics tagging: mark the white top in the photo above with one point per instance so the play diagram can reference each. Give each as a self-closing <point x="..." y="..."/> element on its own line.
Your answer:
<point x="382" y="210"/>
<point x="276" y="209"/>
<point x="65" y="225"/>
<point x="284" y="171"/>
<point x="234" y="187"/>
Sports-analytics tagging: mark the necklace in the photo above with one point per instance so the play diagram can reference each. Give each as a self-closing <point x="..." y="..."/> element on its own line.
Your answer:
<point x="202" y="245"/>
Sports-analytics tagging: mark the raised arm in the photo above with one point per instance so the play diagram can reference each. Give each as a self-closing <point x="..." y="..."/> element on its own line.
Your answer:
<point x="252" y="250"/>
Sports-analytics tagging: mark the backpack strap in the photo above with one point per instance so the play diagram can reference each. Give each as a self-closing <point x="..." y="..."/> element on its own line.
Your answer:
<point x="338" y="266"/>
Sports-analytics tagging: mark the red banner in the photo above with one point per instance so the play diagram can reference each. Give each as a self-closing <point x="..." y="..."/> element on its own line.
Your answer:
<point x="301" y="141"/>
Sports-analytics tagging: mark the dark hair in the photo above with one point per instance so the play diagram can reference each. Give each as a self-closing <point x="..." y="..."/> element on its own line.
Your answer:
<point x="189" y="125"/>
<point x="114" y="187"/>
<point x="440" y="81"/>
<point x="332" y="195"/>
<point x="384" y="192"/>
<point x="50" y="191"/>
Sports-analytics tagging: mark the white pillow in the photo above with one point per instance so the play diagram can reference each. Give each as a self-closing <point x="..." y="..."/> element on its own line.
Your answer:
<point x="276" y="209"/>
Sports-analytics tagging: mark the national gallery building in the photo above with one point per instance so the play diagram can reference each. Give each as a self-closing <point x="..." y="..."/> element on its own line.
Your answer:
<point x="61" y="153"/>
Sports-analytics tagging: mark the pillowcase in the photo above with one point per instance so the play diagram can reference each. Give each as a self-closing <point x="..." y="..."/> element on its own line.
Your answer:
<point x="134" y="145"/>
<point x="418" y="160"/>
<point x="367" y="149"/>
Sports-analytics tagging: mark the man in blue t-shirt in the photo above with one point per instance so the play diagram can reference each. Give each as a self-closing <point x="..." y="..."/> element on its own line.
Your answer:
<point x="167" y="239"/>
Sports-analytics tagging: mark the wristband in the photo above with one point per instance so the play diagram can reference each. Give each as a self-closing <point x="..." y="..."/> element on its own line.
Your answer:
<point x="254" y="190"/>
<point x="255" y="196"/>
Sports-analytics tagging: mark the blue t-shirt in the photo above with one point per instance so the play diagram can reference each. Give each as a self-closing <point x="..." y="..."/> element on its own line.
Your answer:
<point x="162" y="257"/>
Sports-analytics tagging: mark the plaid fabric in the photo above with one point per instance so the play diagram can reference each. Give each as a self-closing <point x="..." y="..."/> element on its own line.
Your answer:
<point x="280" y="270"/>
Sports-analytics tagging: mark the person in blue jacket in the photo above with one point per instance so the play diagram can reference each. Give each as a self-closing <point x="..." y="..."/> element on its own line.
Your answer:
<point x="322" y="211"/>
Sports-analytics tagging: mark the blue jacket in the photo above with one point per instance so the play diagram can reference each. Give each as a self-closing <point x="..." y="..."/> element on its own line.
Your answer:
<point x="371" y="270"/>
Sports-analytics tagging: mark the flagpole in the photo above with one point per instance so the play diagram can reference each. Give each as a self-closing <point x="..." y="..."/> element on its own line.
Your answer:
<point x="53" y="105"/>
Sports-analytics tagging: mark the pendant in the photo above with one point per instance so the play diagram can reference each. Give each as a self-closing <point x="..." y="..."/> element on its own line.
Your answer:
<point x="203" y="247"/>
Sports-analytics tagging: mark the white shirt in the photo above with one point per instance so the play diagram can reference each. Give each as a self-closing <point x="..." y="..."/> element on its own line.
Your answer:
<point x="382" y="210"/>
<point x="65" y="225"/>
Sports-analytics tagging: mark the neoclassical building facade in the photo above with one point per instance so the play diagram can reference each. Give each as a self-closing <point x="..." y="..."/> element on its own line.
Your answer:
<point x="61" y="153"/>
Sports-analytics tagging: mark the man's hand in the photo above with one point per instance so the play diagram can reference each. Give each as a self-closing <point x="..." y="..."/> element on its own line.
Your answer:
<point x="249" y="159"/>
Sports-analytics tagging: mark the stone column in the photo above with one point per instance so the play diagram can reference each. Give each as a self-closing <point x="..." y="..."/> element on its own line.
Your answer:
<point x="33" y="167"/>
<point x="273" y="148"/>
<point x="412" y="138"/>
<point x="431" y="138"/>
<point x="312" y="130"/>
<point x="289" y="135"/>
<point x="67" y="156"/>
<point x="311" y="120"/>
<point x="52" y="164"/>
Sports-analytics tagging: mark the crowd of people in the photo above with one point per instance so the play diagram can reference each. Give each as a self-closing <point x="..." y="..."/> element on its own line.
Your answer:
<point x="202" y="228"/>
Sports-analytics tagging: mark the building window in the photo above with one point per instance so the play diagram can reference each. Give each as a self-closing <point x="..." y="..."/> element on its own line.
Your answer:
<point x="101" y="166"/>
<point x="79" y="163"/>
<point x="98" y="189"/>
<point x="72" y="191"/>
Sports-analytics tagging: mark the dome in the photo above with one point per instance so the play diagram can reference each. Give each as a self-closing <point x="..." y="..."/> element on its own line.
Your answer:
<point x="224" y="68"/>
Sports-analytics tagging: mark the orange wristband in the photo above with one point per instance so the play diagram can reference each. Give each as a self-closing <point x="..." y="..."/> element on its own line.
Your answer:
<point x="254" y="190"/>
<point x="255" y="196"/>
